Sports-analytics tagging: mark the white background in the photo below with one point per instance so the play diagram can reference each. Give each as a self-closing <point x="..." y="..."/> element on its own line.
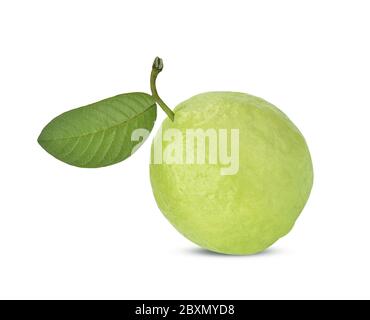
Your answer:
<point x="67" y="232"/>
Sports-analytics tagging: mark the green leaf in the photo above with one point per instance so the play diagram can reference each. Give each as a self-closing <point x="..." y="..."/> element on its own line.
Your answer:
<point x="99" y="134"/>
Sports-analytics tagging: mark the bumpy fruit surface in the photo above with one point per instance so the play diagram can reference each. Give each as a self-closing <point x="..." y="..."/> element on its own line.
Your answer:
<point x="243" y="213"/>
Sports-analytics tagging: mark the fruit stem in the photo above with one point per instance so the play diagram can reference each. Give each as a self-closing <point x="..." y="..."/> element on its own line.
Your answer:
<point x="156" y="69"/>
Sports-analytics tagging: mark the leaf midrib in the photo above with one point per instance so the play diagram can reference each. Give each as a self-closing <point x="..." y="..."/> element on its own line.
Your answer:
<point x="104" y="129"/>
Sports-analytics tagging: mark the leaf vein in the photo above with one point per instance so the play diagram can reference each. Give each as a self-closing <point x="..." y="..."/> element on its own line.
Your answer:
<point x="104" y="129"/>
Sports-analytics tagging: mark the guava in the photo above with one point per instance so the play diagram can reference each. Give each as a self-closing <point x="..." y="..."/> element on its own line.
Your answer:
<point x="246" y="211"/>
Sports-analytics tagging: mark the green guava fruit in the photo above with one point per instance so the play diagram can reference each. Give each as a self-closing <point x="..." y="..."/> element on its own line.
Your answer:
<point x="244" y="212"/>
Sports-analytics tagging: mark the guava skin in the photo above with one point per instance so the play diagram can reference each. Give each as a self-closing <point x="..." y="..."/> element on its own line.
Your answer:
<point x="247" y="212"/>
